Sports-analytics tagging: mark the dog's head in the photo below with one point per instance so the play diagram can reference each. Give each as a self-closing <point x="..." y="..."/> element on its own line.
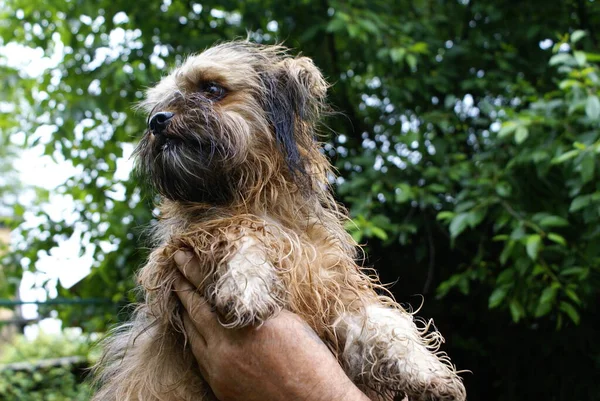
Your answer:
<point x="230" y="119"/>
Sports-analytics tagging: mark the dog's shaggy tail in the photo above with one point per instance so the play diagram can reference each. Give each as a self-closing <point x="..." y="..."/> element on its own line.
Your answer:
<point x="145" y="361"/>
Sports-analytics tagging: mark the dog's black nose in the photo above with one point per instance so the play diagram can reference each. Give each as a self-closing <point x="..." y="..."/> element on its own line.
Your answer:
<point x="159" y="121"/>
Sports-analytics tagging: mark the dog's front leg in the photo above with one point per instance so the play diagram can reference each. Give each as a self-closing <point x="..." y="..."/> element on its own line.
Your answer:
<point x="247" y="289"/>
<point x="386" y="351"/>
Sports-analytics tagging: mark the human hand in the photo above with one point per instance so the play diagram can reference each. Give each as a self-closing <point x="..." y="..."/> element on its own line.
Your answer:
<point x="283" y="360"/>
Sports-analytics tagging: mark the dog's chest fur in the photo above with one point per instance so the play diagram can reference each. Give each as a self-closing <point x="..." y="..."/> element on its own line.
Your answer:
<point x="255" y="265"/>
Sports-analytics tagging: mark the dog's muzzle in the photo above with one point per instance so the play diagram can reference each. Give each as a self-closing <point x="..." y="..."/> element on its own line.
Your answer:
<point x="160" y="121"/>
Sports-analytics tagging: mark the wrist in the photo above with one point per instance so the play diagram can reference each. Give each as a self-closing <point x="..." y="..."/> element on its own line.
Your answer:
<point x="351" y="393"/>
<point x="341" y="389"/>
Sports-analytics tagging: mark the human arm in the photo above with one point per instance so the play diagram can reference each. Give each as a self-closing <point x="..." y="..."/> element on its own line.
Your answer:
<point x="282" y="360"/>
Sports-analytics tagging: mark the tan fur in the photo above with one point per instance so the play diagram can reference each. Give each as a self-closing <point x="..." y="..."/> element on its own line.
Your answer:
<point x="276" y="242"/>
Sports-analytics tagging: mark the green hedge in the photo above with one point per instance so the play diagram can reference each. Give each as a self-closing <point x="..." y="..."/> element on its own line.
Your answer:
<point x="47" y="368"/>
<point x="47" y="384"/>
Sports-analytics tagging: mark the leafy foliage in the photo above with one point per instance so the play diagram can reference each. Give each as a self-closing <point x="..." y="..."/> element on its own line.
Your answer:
<point x="538" y="199"/>
<point x="50" y="384"/>
<point x="56" y="383"/>
<point x="468" y="154"/>
<point x="45" y="346"/>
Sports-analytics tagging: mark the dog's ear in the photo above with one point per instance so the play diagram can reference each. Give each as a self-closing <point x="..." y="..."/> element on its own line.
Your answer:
<point x="295" y="95"/>
<point x="306" y="86"/>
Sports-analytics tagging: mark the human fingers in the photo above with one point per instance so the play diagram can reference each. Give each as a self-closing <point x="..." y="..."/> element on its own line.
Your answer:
<point x="194" y="338"/>
<point x="200" y="313"/>
<point x="197" y="342"/>
<point x="189" y="267"/>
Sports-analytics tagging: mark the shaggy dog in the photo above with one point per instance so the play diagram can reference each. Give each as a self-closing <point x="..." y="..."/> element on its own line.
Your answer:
<point x="231" y="147"/>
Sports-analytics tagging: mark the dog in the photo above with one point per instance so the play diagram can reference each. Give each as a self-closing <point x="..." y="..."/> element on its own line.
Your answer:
<point x="232" y="151"/>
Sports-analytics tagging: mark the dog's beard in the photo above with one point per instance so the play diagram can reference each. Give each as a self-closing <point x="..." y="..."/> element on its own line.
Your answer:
<point x="192" y="160"/>
<point x="182" y="173"/>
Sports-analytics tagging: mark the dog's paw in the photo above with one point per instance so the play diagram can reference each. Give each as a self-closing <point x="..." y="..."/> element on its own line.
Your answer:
<point x="386" y="351"/>
<point x="448" y="388"/>
<point x="243" y="301"/>
<point x="248" y="291"/>
<point x="435" y="385"/>
<point x="410" y="368"/>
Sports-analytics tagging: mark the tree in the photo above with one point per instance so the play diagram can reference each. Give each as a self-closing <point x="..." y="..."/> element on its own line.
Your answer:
<point x="10" y="187"/>
<point x="467" y="150"/>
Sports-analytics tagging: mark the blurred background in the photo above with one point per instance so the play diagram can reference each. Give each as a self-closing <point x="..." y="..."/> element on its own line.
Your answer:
<point x="467" y="148"/>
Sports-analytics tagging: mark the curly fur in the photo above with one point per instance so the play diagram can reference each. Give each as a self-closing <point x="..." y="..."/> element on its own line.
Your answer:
<point x="243" y="185"/>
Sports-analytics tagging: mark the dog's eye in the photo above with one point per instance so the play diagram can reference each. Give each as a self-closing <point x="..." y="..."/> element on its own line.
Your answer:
<point x="213" y="90"/>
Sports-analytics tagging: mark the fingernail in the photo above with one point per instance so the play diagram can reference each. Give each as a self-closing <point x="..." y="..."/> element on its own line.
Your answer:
<point x="182" y="257"/>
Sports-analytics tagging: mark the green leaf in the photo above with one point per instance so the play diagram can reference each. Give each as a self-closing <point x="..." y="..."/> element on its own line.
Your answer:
<point x="575" y="106"/>
<point x="19" y="209"/>
<point x="353" y="30"/>
<point x="518" y="232"/>
<point x="516" y="310"/>
<point x="503" y="189"/>
<point x="497" y="297"/>
<point x="577" y="35"/>
<point x="580" y="202"/>
<point x="576" y="270"/>
<point x="450" y="101"/>
<point x="336" y="25"/>
<point x="447" y="285"/>
<point x="419" y="47"/>
<point x="553" y="221"/>
<point x="403" y="193"/>
<point x="437" y="188"/>
<point x="507" y="128"/>
<point x="445" y="215"/>
<point x="557" y="238"/>
<point x="592" y="107"/>
<point x="593" y="57"/>
<point x="506" y="277"/>
<point x="463" y="285"/>
<point x="561" y="58"/>
<point x="570" y="311"/>
<point x="566" y="156"/>
<point x="369" y="26"/>
<point x="569" y="83"/>
<point x="507" y="251"/>
<point x="543" y="309"/>
<point x="546" y="301"/>
<point x="573" y="296"/>
<point x="411" y="60"/>
<point x="379" y="233"/>
<point x="459" y="223"/>
<point x="549" y="294"/>
<point x="521" y="134"/>
<point x="533" y="245"/>
<point x="397" y="54"/>
<point x="357" y="235"/>
<point x="580" y="58"/>
<point x="476" y="216"/>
